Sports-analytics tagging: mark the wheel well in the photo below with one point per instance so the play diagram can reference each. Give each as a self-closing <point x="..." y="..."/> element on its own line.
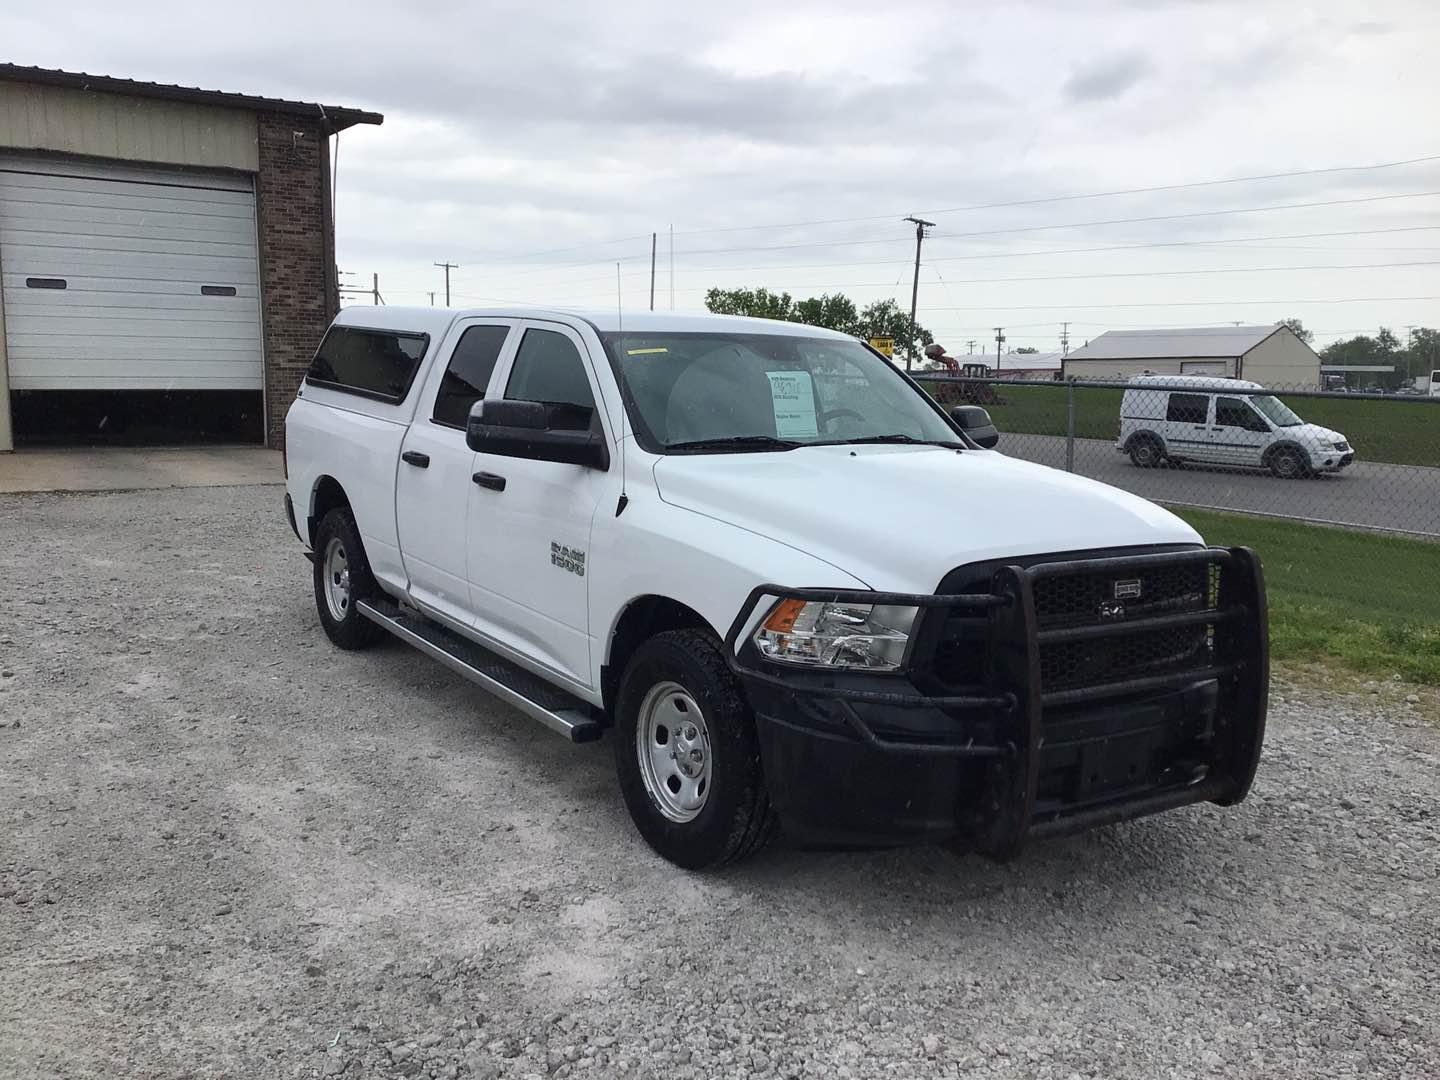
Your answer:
<point x="328" y="495"/>
<point x="645" y="617"/>
<point x="1275" y="448"/>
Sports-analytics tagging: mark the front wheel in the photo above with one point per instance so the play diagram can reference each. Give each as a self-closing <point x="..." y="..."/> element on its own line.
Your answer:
<point x="1287" y="464"/>
<point x="687" y="755"/>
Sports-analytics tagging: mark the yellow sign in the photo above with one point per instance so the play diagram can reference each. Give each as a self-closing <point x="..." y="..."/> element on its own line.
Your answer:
<point x="885" y="345"/>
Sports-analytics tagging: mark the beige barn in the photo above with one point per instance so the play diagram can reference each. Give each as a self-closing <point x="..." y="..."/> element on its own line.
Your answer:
<point x="1270" y="355"/>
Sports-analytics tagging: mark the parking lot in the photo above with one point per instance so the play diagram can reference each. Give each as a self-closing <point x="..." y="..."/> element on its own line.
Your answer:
<point x="1404" y="498"/>
<point x="231" y="849"/>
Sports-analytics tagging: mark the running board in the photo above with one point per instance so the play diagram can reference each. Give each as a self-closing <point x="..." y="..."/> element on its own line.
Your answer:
<point x="558" y="710"/>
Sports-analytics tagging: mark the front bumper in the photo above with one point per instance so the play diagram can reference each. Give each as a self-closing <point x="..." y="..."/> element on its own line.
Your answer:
<point x="859" y="759"/>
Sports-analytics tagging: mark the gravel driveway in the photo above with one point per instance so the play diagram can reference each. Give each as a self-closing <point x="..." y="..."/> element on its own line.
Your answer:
<point x="230" y="849"/>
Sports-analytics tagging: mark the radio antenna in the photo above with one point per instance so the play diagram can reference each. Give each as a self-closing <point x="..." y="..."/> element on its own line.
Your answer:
<point x="624" y="500"/>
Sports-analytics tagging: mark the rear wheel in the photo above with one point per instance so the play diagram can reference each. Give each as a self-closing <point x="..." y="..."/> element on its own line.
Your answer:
<point x="1288" y="464"/>
<point x="342" y="578"/>
<point x="686" y="753"/>
<point x="1145" y="452"/>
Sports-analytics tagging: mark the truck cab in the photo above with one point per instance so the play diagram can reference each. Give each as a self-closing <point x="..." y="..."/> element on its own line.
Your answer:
<point x="793" y="590"/>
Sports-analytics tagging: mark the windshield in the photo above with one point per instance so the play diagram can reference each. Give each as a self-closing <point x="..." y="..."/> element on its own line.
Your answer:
<point x="716" y="392"/>
<point x="1275" y="410"/>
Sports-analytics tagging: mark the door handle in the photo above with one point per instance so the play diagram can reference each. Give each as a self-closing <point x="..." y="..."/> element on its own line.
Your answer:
<point x="489" y="480"/>
<point x="416" y="458"/>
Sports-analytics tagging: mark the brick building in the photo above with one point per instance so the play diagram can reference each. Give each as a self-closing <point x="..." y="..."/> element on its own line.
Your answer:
<point x="167" y="258"/>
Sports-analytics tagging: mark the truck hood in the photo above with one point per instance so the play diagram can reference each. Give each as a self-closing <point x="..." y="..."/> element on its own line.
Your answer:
<point x="900" y="517"/>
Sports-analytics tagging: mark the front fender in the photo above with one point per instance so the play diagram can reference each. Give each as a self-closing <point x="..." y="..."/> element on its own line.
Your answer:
<point x="710" y="566"/>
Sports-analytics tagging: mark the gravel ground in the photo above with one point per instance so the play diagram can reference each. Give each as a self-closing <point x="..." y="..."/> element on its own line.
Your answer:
<point x="230" y="849"/>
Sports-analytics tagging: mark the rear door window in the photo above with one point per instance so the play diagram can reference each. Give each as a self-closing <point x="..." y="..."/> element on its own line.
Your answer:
<point x="468" y="373"/>
<point x="1187" y="408"/>
<point x="379" y="364"/>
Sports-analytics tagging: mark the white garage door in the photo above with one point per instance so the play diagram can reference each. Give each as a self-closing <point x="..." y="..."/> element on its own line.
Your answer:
<point x="117" y="278"/>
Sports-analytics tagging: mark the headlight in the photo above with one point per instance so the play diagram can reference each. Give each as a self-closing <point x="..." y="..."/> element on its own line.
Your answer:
<point x="823" y="634"/>
<point x="1341" y="445"/>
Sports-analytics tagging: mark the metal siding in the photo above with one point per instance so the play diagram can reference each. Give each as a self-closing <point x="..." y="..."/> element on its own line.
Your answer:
<point x="1082" y="368"/>
<point x="63" y="120"/>
<point x="1283" y="360"/>
<point x="134" y="246"/>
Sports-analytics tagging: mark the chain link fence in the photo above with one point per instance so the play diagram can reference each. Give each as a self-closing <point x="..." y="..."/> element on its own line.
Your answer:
<point x="1361" y="461"/>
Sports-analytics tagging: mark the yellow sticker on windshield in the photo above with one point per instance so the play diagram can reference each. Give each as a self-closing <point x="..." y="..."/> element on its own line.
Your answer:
<point x="645" y="352"/>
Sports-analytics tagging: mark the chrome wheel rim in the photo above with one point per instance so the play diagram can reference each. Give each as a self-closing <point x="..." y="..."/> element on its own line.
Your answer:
<point x="337" y="579"/>
<point x="672" y="744"/>
<point x="1287" y="465"/>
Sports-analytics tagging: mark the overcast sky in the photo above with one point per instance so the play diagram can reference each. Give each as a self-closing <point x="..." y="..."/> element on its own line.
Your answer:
<point x="536" y="144"/>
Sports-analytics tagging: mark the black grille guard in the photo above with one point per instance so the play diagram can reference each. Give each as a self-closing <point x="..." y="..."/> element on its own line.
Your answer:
<point x="1013" y="690"/>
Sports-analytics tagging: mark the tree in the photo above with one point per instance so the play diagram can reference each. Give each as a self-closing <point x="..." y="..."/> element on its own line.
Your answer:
<point x="757" y="303"/>
<point x="1298" y="327"/>
<point x="884" y="318"/>
<point x="1027" y="349"/>
<point x="1387" y="343"/>
<point x="834" y="311"/>
<point x="1361" y="349"/>
<point x="1423" y="355"/>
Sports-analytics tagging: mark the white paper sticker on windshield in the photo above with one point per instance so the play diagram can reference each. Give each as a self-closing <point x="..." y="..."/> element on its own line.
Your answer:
<point x="793" y="397"/>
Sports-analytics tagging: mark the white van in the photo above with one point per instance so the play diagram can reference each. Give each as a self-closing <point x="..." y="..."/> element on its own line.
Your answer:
<point x="1217" y="421"/>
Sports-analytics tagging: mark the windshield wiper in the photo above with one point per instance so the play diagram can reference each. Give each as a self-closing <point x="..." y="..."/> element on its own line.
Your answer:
<point x="737" y="443"/>
<point x="952" y="443"/>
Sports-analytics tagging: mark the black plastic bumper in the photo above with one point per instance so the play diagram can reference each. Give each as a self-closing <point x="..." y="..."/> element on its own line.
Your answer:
<point x="863" y="759"/>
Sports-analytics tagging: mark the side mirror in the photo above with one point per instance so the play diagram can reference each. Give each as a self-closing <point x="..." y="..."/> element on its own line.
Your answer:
<point x="976" y="423"/>
<point x="537" y="431"/>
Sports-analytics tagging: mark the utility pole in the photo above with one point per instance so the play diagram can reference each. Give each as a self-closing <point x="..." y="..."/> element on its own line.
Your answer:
<point x="920" y="226"/>
<point x="653" y="239"/>
<point x="448" y="266"/>
<point x="971" y="346"/>
<point x="1064" y="339"/>
<point x="672" y="267"/>
<point x="375" y="289"/>
<point x="999" y="340"/>
<point x="432" y="298"/>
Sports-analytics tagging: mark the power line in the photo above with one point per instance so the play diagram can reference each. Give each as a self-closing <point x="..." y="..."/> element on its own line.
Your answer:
<point x="1089" y="250"/>
<point x="1191" y="303"/>
<point x="1082" y="224"/>
<point x="1071" y="198"/>
<point x="1097" y="277"/>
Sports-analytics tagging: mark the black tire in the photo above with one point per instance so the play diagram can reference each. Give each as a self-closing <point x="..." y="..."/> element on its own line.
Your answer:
<point x="347" y="628"/>
<point x="1145" y="451"/>
<point x="1288" y="464"/>
<point x="735" y="819"/>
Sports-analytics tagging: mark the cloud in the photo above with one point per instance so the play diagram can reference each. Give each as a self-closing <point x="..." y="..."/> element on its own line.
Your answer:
<point x="1107" y="78"/>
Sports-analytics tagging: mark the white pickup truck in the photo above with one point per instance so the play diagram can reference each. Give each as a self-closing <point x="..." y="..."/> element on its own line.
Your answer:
<point x="801" y="594"/>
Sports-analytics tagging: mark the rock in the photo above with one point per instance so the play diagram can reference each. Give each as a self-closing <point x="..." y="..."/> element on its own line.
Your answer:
<point x="314" y="970"/>
<point x="336" y="1065"/>
<point x="430" y="1040"/>
<point x="1412" y="699"/>
<point x="224" y="909"/>
<point x="400" y="1053"/>
<point x="483" y="1067"/>
<point x="931" y="1045"/>
<point x="1382" y="1026"/>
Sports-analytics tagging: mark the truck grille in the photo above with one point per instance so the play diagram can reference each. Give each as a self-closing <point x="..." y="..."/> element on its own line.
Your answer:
<point x="1085" y="599"/>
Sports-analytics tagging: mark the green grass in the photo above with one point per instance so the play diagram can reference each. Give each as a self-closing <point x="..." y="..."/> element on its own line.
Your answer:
<point x="1401" y="432"/>
<point x="1370" y="602"/>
